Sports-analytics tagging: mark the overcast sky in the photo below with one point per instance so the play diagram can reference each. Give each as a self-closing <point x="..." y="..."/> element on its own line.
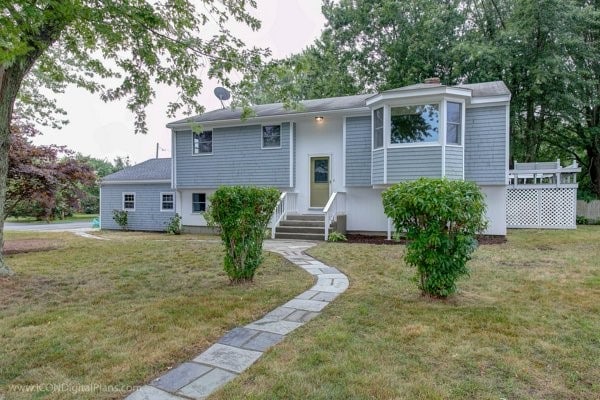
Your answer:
<point x="105" y="130"/>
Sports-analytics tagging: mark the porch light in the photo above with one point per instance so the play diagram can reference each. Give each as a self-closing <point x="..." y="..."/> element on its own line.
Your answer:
<point x="319" y="118"/>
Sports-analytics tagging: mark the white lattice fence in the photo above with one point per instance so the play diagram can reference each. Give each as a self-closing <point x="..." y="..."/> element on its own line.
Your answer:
<point x="541" y="207"/>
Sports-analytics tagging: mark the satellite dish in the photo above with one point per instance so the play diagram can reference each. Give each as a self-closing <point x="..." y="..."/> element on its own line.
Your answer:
<point x="222" y="94"/>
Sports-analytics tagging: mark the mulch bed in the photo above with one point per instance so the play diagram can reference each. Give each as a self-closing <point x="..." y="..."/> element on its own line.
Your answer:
<point x="28" y="246"/>
<point x="372" y="239"/>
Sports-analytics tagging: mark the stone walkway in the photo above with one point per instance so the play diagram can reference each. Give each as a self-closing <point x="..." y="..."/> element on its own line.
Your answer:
<point x="239" y="348"/>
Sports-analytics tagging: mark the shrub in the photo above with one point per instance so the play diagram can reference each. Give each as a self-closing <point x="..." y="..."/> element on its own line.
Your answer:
<point x="440" y="218"/>
<point x="242" y="213"/>
<point x="120" y="217"/>
<point x="336" y="237"/>
<point x="174" y="225"/>
<point x="581" y="220"/>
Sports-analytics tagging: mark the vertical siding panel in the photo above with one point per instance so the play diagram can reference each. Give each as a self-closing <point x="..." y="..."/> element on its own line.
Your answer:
<point x="377" y="177"/>
<point x="454" y="162"/>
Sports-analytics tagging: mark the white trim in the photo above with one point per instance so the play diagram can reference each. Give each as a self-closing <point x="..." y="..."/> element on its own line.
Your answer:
<point x="462" y="141"/>
<point x="310" y="157"/>
<point x="265" y="119"/>
<point x="161" y="202"/>
<point x="490" y="99"/>
<point x="292" y="166"/>
<point x="442" y="122"/>
<point x="145" y="182"/>
<point x="173" y="160"/>
<point x="488" y="104"/>
<point x="372" y="141"/>
<point x="123" y="201"/>
<point x="212" y="139"/>
<point x="507" y="149"/>
<point x="389" y="123"/>
<point x="419" y="92"/>
<point x="387" y="128"/>
<point x="100" y="207"/>
<point x="344" y="152"/>
<point x="373" y="129"/>
<point x="262" y="138"/>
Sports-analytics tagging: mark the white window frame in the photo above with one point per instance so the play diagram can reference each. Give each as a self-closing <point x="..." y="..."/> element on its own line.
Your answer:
<point x="205" y="202"/>
<point x="382" y="128"/>
<point x="262" y="138"/>
<point x="211" y="143"/>
<point x="441" y="128"/>
<point x="123" y="194"/>
<point x="463" y="111"/>
<point x="162" y="201"/>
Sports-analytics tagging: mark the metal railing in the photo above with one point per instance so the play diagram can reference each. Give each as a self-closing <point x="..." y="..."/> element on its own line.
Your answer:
<point x="335" y="205"/>
<point x="286" y="203"/>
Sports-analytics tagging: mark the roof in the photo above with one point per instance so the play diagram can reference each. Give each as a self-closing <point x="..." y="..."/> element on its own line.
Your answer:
<point x="155" y="169"/>
<point x="485" y="89"/>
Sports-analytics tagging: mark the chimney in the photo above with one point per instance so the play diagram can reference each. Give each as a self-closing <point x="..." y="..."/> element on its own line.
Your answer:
<point x="432" y="81"/>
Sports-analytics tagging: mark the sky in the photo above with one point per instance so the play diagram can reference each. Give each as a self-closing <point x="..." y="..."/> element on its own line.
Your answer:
<point x="106" y="130"/>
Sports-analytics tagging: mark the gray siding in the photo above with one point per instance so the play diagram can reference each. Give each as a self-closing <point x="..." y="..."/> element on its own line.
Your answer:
<point x="237" y="159"/>
<point x="358" y="151"/>
<point x="295" y="165"/>
<point x="409" y="163"/>
<point x="147" y="215"/>
<point x="454" y="163"/>
<point x="485" y="145"/>
<point x="377" y="176"/>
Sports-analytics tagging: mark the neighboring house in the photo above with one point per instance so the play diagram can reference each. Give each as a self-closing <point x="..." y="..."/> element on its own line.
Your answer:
<point x="335" y="156"/>
<point x="144" y="191"/>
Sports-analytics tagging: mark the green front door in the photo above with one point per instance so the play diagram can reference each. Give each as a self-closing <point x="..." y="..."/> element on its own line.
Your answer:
<point x="319" y="181"/>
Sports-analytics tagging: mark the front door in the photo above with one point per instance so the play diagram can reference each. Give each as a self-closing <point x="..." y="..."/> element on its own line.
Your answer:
<point x="319" y="181"/>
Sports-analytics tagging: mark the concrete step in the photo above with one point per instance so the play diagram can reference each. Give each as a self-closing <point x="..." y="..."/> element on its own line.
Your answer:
<point x="320" y="224"/>
<point x="301" y="229"/>
<point x="305" y="217"/>
<point x="299" y="236"/>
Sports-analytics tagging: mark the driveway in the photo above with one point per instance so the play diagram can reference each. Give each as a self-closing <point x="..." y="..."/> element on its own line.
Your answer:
<point x="45" y="227"/>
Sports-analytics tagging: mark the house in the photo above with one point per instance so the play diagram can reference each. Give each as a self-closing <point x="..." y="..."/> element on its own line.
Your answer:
<point x="331" y="158"/>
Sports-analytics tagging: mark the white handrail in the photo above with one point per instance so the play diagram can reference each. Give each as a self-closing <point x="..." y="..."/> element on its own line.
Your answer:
<point x="285" y="204"/>
<point x="335" y="205"/>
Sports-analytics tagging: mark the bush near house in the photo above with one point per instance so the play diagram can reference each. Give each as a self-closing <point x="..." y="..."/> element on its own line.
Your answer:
<point x="242" y="214"/>
<point x="441" y="218"/>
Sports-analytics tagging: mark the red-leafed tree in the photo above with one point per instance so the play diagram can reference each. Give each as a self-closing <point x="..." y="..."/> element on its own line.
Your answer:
<point x="43" y="181"/>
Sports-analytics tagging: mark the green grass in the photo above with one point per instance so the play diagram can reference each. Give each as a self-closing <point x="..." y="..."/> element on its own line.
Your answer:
<point x="525" y="325"/>
<point x="120" y="312"/>
<point x="72" y="218"/>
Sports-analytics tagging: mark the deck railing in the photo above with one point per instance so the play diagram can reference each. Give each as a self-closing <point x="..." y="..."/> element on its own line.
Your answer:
<point x="334" y="207"/>
<point x="286" y="204"/>
<point x="549" y="174"/>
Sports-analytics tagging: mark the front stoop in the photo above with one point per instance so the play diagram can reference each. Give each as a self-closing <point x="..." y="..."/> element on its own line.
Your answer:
<point x="301" y="227"/>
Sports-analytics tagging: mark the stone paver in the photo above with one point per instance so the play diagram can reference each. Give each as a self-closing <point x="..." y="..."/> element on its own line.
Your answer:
<point x="228" y="357"/>
<point x="242" y="346"/>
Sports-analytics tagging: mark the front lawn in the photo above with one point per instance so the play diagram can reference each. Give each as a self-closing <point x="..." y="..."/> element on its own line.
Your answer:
<point x="526" y="325"/>
<point x="104" y="315"/>
<point x="72" y="218"/>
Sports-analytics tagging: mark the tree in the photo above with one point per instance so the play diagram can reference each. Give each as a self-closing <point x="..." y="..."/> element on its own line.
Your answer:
<point x="42" y="181"/>
<point x="102" y="168"/>
<point x="440" y="218"/>
<point x="133" y="44"/>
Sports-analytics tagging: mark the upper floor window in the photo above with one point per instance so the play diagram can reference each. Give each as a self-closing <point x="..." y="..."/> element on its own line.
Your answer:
<point x="415" y="124"/>
<point x="271" y="136"/>
<point x="203" y="142"/>
<point x="167" y="201"/>
<point x="198" y="202"/>
<point x="453" y="123"/>
<point x="129" y="201"/>
<point x="378" y="128"/>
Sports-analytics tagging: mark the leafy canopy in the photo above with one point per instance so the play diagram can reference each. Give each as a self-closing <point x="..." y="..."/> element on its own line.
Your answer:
<point x="440" y="218"/>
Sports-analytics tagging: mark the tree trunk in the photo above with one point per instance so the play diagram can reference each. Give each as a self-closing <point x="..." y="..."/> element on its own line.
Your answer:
<point x="10" y="82"/>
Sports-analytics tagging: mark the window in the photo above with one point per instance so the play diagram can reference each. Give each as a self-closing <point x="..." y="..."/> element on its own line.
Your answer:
<point x="378" y="128"/>
<point x="198" y="202"/>
<point x="453" y="123"/>
<point x="167" y="202"/>
<point x="203" y="142"/>
<point x="415" y="124"/>
<point x="271" y="136"/>
<point x="129" y="201"/>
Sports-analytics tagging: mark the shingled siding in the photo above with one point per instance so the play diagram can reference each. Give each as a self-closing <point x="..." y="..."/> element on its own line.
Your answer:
<point x="413" y="162"/>
<point x="485" y="145"/>
<point x="358" y="151"/>
<point x="147" y="215"/>
<point x="377" y="171"/>
<point x="237" y="159"/>
<point x="454" y="162"/>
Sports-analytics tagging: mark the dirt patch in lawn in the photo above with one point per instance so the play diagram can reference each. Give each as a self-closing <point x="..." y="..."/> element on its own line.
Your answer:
<point x="29" y="245"/>
<point x="373" y="239"/>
